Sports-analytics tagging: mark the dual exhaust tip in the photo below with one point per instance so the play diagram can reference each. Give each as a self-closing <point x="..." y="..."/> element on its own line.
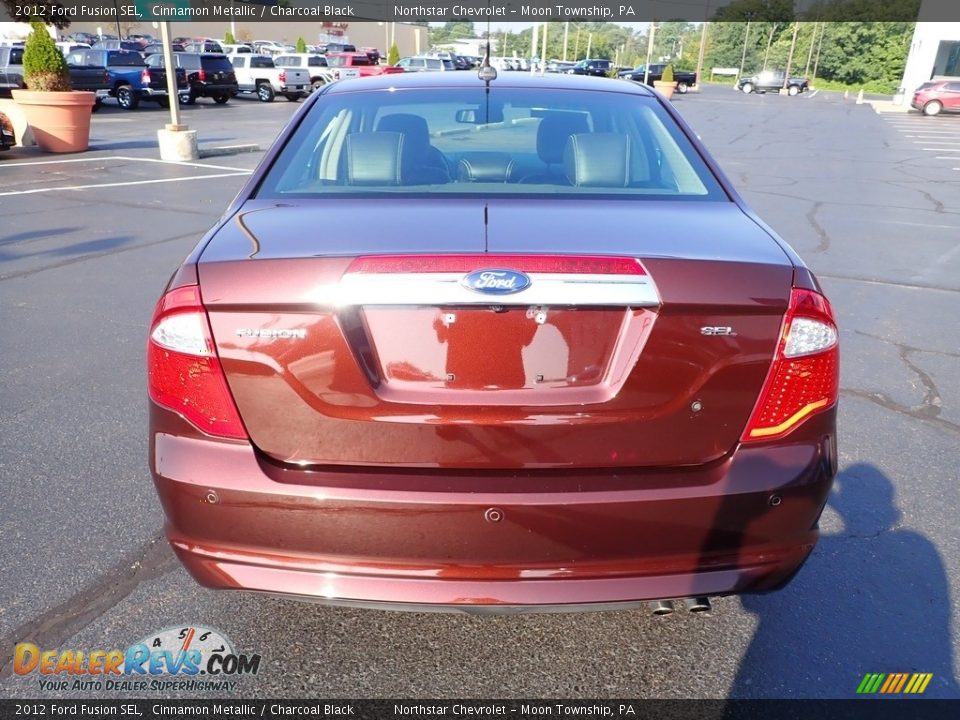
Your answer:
<point x="694" y="605"/>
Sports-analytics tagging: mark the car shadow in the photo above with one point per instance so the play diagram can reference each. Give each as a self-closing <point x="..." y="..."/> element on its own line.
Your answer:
<point x="873" y="598"/>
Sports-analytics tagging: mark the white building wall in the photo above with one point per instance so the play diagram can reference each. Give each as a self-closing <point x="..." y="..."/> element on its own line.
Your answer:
<point x="926" y="41"/>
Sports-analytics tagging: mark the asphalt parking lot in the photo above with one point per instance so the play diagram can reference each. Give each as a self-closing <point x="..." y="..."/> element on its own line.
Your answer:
<point x="872" y="203"/>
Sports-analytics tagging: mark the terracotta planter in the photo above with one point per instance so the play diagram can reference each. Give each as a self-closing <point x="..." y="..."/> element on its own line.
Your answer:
<point x="60" y="120"/>
<point x="665" y="88"/>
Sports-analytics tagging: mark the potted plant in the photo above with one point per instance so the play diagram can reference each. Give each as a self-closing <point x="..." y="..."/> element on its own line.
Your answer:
<point x="59" y="117"/>
<point x="666" y="83"/>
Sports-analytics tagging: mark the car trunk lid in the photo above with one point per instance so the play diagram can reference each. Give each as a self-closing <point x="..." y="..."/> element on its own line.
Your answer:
<point x="649" y="350"/>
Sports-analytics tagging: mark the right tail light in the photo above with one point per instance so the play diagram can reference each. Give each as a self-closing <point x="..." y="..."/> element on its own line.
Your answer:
<point x="805" y="375"/>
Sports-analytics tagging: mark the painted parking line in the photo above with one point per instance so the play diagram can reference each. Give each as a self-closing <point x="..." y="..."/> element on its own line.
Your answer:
<point x="207" y="166"/>
<point x="125" y="158"/>
<point x="129" y="183"/>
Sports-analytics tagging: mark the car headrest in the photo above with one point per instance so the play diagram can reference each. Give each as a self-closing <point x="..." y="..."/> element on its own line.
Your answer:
<point x="413" y="127"/>
<point x="597" y="160"/>
<point x="374" y="158"/>
<point x="554" y="131"/>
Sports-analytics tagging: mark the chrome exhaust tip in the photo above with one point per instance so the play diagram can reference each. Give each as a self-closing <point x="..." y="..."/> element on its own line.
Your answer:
<point x="661" y="607"/>
<point x="698" y="604"/>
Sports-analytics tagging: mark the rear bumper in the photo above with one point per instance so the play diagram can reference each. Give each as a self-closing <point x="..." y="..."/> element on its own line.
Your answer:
<point x="527" y="542"/>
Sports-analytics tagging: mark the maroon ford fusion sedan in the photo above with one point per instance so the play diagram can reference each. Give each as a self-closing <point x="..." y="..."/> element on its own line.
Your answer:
<point x="492" y="346"/>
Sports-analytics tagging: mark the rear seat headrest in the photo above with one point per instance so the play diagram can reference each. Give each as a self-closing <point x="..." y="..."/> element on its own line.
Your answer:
<point x="374" y="158"/>
<point x="597" y="160"/>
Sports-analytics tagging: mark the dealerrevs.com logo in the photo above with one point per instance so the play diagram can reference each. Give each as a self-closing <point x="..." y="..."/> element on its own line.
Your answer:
<point x="179" y="658"/>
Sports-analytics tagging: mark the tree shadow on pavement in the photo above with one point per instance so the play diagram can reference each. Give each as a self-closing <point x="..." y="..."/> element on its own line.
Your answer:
<point x="872" y="599"/>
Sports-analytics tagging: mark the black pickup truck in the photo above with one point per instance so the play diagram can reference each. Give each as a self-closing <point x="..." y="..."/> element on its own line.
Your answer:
<point x="684" y="79"/>
<point x="86" y="77"/>
<point x="772" y="81"/>
<point x="130" y="80"/>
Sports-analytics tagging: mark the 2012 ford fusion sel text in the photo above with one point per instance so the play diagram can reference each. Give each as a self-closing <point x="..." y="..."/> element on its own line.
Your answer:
<point x="495" y="345"/>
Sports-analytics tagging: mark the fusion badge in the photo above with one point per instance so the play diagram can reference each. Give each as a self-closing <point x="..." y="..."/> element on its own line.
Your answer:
<point x="496" y="282"/>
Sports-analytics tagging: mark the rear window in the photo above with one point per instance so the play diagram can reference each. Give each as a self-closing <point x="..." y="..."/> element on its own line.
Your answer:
<point x="16" y="56"/>
<point x="261" y="62"/>
<point x="513" y="142"/>
<point x="316" y="61"/>
<point x="121" y="58"/>
<point x="216" y="63"/>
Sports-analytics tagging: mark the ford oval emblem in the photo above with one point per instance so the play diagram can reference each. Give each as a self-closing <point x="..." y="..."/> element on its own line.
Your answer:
<point x="496" y="282"/>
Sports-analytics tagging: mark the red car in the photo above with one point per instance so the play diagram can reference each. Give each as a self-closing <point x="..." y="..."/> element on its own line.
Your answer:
<point x="937" y="96"/>
<point x="492" y="346"/>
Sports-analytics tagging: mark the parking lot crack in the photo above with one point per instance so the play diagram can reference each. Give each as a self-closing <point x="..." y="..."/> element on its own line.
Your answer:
<point x="55" y="627"/>
<point x="822" y="234"/>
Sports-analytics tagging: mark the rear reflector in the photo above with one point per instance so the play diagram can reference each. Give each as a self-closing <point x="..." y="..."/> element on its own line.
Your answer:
<point x="805" y="375"/>
<point x="574" y="264"/>
<point x="183" y="371"/>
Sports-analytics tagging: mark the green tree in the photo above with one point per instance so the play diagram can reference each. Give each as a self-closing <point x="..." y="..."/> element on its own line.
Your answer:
<point x="229" y="39"/>
<point x="44" y="68"/>
<point x="393" y="55"/>
<point x="301" y="45"/>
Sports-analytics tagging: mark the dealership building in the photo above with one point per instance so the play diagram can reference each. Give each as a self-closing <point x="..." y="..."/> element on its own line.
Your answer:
<point x="935" y="48"/>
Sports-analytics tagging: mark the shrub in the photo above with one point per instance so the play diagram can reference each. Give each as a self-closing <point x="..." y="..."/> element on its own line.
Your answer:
<point x="667" y="76"/>
<point x="44" y="68"/>
<point x="301" y="45"/>
<point x="393" y="55"/>
<point x="229" y="39"/>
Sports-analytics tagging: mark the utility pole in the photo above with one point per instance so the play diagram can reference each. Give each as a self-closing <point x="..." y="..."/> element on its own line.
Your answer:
<point x="793" y="47"/>
<point x="576" y="50"/>
<point x="766" y="55"/>
<point x="813" y="37"/>
<point x="743" y="58"/>
<point x="816" y="63"/>
<point x="703" y="44"/>
<point x="533" y="44"/>
<point x="566" y="37"/>
<point x="646" y="64"/>
<point x="589" y="44"/>
<point x="543" y="54"/>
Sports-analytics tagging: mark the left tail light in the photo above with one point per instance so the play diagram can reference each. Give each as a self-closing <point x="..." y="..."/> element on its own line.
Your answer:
<point x="283" y="76"/>
<point x="805" y="375"/>
<point x="145" y="76"/>
<point x="183" y="371"/>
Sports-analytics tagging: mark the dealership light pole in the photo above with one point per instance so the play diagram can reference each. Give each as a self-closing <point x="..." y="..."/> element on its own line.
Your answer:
<point x="646" y="64"/>
<point x="703" y="44"/>
<point x="743" y="58"/>
<point x="566" y="38"/>
<point x="543" y="54"/>
<point x="793" y="47"/>
<point x="177" y="142"/>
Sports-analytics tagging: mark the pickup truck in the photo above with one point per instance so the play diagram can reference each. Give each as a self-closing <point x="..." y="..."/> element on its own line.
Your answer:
<point x="129" y="79"/>
<point x="356" y="64"/>
<point x="259" y="75"/>
<point x="314" y="64"/>
<point x="684" y="78"/>
<point x="772" y="81"/>
<point x="82" y="77"/>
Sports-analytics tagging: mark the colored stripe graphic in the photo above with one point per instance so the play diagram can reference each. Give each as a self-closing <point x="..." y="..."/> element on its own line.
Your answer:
<point x="894" y="683"/>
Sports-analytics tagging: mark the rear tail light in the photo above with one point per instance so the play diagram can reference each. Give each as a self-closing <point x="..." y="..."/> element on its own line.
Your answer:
<point x="805" y="376"/>
<point x="145" y="77"/>
<point x="202" y="75"/>
<point x="283" y="76"/>
<point x="183" y="371"/>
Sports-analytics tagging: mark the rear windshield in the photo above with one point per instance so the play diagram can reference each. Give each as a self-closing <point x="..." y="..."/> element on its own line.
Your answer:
<point x="121" y="58"/>
<point x="515" y="142"/>
<point x="16" y="56"/>
<point x="218" y="63"/>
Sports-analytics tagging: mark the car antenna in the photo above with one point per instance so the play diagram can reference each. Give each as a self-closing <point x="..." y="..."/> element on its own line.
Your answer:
<point x="487" y="71"/>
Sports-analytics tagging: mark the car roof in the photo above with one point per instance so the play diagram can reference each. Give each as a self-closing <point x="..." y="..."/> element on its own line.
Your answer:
<point x="551" y="81"/>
